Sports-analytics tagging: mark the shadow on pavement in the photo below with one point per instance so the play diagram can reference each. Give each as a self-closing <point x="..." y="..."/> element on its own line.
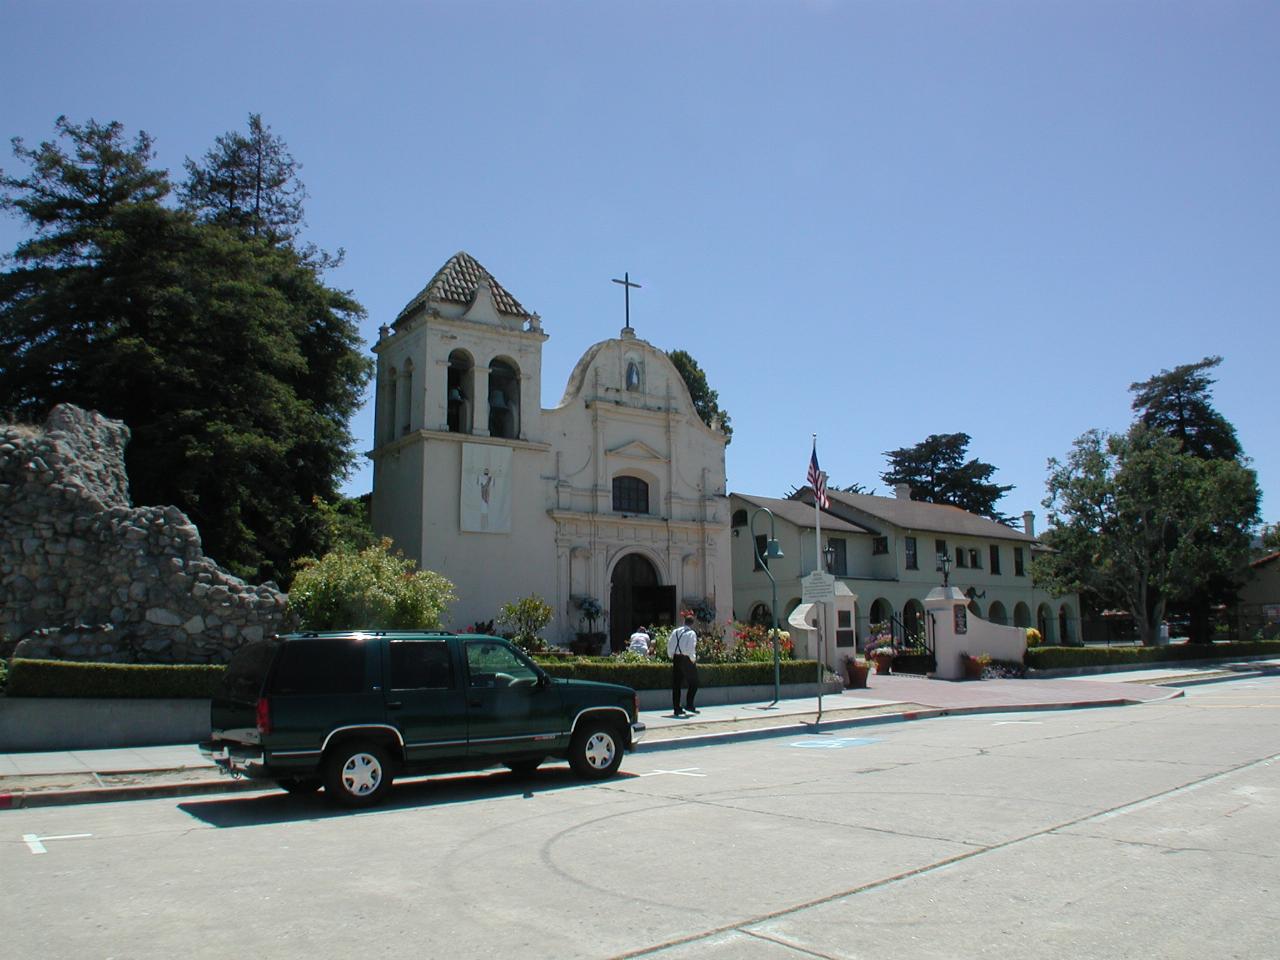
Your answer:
<point x="280" y="807"/>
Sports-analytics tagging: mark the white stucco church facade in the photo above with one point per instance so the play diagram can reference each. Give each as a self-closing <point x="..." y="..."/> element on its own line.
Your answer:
<point x="617" y="494"/>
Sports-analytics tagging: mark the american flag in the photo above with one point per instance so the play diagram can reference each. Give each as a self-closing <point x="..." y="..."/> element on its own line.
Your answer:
<point x="818" y="480"/>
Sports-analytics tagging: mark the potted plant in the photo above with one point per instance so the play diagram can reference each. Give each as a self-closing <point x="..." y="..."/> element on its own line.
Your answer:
<point x="857" y="670"/>
<point x="973" y="666"/>
<point x="880" y="648"/>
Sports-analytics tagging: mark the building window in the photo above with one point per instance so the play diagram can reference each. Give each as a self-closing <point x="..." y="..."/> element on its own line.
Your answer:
<point x="762" y="546"/>
<point x="995" y="559"/>
<point x="504" y="400"/>
<point x="962" y="557"/>
<point x="880" y="545"/>
<point x="912" y="563"/>
<point x="975" y="559"/>
<point x="1018" y="569"/>
<point x="845" y="636"/>
<point x="839" y="558"/>
<point x="630" y="495"/>
<point x="459" y="384"/>
<point x="406" y="398"/>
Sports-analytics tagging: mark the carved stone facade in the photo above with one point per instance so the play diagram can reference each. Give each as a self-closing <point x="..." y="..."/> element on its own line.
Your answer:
<point x="84" y="575"/>
<point x="616" y="495"/>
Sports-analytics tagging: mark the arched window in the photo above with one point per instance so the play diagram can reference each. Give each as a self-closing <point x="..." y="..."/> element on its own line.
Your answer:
<point x="630" y="495"/>
<point x="392" y="391"/>
<point x="739" y="518"/>
<point x="504" y="400"/>
<point x="460" y="389"/>
<point x="405" y="406"/>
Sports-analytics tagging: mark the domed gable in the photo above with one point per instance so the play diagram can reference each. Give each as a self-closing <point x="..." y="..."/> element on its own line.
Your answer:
<point x="629" y="371"/>
<point x="461" y="284"/>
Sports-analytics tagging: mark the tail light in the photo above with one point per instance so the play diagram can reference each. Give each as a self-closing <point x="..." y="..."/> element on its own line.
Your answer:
<point x="262" y="715"/>
<point x="635" y="712"/>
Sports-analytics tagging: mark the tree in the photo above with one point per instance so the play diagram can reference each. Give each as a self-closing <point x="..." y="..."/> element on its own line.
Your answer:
<point x="705" y="400"/>
<point x="1136" y="522"/>
<point x="369" y="589"/>
<point x="1176" y="403"/>
<point x="937" y="472"/>
<point x="249" y="183"/>
<point x="1269" y="538"/>
<point x="235" y="368"/>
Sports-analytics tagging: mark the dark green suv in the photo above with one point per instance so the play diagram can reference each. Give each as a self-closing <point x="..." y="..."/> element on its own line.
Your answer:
<point x="350" y="711"/>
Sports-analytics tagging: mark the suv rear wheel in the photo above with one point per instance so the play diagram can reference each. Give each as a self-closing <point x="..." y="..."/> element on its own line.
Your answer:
<point x="357" y="773"/>
<point x="596" y="750"/>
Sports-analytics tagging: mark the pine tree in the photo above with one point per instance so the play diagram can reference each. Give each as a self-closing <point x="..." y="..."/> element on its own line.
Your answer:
<point x="937" y="472"/>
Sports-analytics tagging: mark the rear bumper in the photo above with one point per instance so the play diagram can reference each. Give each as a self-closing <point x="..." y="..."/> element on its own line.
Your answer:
<point x="233" y="759"/>
<point x="637" y="732"/>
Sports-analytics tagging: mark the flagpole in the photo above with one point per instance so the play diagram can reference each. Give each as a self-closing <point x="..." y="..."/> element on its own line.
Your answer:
<point x="817" y="520"/>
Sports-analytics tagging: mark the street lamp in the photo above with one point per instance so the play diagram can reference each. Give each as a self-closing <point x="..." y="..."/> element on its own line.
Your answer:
<point x="829" y="554"/>
<point x="771" y="552"/>
<point x="944" y="567"/>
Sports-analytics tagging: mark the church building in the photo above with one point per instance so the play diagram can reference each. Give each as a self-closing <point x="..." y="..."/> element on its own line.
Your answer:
<point x="616" y="495"/>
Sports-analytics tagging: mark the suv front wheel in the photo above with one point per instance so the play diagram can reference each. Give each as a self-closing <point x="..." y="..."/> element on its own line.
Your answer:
<point x="357" y="773"/>
<point x="596" y="750"/>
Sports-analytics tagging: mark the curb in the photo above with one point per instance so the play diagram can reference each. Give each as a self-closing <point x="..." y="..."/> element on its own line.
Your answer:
<point x="222" y="784"/>
<point x="762" y="733"/>
<point x="19" y="801"/>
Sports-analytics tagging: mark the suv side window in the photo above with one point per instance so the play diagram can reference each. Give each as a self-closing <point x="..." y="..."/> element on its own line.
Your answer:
<point x="312" y="667"/>
<point x="496" y="665"/>
<point x="420" y="665"/>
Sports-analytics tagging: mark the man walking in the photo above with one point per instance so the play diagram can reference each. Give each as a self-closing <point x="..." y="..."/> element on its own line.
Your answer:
<point x="682" y="648"/>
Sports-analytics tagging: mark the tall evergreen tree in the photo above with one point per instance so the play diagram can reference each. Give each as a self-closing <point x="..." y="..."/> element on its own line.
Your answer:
<point x="1177" y="403"/>
<point x="248" y="182"/>
<point x="937" y="472"/>
<point x="235" y="368"/>
<point x="705" y="400"/>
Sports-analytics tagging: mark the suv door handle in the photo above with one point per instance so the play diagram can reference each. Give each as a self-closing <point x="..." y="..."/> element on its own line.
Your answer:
<point x="394" y="704"/>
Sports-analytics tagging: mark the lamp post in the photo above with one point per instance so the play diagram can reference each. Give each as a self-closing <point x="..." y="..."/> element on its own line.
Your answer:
<point x="944" y="567"/>
<point x="771" y="552"/>
<point x="829" y="555"/>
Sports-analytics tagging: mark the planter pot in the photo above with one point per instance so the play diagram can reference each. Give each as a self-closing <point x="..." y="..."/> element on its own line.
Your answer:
<point x="884" y="662"/>
<point x="972" y="669"/>
<point x="587" y="644"/>
<point x="858" y="674"/>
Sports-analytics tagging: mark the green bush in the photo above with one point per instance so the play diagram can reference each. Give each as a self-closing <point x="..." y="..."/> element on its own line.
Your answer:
<point x="1053" y="658"/>
<point x="369" y="589"/>
<point x="4" y="676"/>
<point x="62" y="678"/>
<point x="656" y="675"/>
<point x="526" y="617"/>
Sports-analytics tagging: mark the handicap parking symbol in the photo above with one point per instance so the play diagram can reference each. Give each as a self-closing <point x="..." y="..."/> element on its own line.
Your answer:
<point x="833" y="743"/>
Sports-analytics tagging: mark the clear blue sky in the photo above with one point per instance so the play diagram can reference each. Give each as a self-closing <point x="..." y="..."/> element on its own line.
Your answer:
<point x="870" y="220"/>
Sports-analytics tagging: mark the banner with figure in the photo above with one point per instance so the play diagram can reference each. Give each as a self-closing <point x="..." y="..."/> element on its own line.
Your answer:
<point x="486" y="488"/>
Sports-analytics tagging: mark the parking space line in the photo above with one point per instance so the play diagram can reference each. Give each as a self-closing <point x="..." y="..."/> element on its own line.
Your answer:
<point x="36" y="843"/>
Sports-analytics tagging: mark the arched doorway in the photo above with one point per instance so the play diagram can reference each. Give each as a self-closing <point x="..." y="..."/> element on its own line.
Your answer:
<point x="1022" y="615"/>
<point x="997" y="613"/>
<point x="637" y="599"/>
<point x="1045" y="624"/>
<point x="913" y="621"/>
<point x="1065" y="633"/>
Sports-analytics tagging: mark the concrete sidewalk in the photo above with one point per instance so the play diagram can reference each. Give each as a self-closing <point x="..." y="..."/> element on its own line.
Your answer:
<point x="85" y="776"/>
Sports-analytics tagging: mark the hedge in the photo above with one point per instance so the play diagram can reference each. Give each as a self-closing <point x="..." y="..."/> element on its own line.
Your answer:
<point x="63" y="678"/>
<point x="1052" y="658"/>
<point x="657" y="675"/>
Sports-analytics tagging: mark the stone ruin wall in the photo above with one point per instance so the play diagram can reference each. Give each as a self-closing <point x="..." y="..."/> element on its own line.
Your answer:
<point x="84" y="575"/>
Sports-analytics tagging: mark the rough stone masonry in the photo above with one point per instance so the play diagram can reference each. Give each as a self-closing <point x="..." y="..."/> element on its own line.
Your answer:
<point x="84" y="575"/>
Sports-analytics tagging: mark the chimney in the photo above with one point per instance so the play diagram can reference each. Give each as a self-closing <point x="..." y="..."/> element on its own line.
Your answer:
<point x="902" y="491"/>
<point x="1029" y="523"/>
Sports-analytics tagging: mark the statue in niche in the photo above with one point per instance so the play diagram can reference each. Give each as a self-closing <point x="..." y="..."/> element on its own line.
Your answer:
<point x="633" y="375"/>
